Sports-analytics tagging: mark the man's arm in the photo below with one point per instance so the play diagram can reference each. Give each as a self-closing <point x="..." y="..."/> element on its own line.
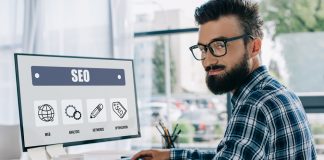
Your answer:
<point x="173" y="154"/>
<point x="152" y="154"/>
<point x="246" y="136"/>
<point x="186" y="154"/>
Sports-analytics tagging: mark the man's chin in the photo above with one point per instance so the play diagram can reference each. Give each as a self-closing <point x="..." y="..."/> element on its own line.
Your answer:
<point x="217" y="92"/>
<point x="218" y="77"/>
<point x="229" y="80"/>
<point x="216" y="86"/>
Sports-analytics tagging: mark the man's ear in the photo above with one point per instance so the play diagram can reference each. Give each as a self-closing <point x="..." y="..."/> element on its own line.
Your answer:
<point x="256" y="47"/>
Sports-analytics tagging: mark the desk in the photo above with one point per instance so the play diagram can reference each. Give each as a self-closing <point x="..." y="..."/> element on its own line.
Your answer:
<point x="104" y="155"/>
<point x="92" y="155"/>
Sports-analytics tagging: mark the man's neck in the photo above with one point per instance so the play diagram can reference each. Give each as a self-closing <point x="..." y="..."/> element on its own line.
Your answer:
<point x="255" y="64"/>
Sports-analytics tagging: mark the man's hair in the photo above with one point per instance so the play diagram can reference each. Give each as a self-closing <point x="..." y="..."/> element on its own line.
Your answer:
<point x="246" y="11"/>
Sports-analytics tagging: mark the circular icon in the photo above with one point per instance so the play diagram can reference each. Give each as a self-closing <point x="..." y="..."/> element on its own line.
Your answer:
<point x="46" y="113"/>
<point x="36" y="75"/>
<point x="119" y="76"/>
<point x="72" y="112"/>
<point x="69" y="111"/>
<point x="77" y="115"/>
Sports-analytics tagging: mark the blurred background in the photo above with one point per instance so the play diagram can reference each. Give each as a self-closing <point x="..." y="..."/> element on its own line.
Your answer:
<point x="169" y="81"/>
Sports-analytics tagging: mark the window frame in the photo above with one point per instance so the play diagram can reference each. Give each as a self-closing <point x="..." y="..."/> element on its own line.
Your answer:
<point x="312" y="103"/>
<point x="182" y="31"/>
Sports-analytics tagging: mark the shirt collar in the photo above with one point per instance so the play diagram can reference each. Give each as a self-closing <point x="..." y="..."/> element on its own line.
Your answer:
<point x="251" y="81"/>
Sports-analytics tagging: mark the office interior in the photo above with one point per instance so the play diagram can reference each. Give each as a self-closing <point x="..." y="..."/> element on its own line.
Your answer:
<point x="170" y="84"/>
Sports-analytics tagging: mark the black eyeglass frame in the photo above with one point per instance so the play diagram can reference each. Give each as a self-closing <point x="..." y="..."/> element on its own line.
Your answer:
<point x="224" y="40"/>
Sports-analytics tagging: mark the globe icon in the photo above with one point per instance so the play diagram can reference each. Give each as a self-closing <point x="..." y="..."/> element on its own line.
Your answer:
<point x="46" y="113"/>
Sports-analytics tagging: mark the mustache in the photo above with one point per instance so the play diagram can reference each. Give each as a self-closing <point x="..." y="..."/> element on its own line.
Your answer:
<point x="214" y="66"/>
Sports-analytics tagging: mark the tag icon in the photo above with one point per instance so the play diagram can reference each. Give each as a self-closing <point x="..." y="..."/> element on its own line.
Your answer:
<point x="119" y="109"/>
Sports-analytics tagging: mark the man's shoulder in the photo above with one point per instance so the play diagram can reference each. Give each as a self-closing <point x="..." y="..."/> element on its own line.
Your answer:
<point x="267" y="89"/>
<point x="267" y="94"/>
<point x="273" y="98"/>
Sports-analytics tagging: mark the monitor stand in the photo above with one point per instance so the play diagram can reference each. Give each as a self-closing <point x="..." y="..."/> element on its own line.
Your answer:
<point x="37" y="153"/>
<point x="45" y="153"/>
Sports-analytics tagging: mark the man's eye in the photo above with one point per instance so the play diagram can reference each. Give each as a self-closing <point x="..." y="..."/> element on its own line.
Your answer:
<point x="218" y="45"/>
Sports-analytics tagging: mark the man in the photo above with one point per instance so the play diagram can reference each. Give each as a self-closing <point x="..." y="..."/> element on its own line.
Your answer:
<point x="268" y="120"/>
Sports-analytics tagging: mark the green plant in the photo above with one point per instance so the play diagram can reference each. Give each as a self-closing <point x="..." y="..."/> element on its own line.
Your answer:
<point x="159" y="67"/>
<point x="294" y="15"/>
<point x="187" y="132"/>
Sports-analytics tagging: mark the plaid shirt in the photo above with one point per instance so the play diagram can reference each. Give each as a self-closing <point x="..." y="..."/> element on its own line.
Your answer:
<point x="268" y="122"/>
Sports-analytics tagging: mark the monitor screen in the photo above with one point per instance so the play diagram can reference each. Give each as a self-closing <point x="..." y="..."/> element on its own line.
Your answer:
<point x="75" y="100"/>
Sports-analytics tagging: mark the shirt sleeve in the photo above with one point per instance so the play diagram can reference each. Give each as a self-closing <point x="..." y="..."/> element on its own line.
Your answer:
<point x="246" y="136"/>
<point x="191" y="154"/>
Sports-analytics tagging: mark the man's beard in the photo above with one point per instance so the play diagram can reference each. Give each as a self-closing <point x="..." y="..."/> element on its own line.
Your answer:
<point x="219" y="84"/>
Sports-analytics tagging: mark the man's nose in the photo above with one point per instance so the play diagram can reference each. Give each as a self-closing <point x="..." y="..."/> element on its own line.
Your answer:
<point x="209" y="59"/>
<point x="209" y="54"/>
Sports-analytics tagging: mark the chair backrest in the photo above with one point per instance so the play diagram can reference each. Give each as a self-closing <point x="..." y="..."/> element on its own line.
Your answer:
<point x="10" y="147"/>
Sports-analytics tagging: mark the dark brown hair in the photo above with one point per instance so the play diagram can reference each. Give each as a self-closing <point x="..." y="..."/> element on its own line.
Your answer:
<point x="246" y="11"/>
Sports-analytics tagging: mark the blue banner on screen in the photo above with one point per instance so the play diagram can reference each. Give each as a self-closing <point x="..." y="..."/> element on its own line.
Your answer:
<point x="74" y="76"/>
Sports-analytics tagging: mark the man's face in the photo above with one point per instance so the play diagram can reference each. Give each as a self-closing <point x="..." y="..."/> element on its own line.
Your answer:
<point x="226" y="73"/>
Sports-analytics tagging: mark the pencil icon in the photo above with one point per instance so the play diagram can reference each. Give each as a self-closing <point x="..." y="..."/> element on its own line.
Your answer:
<point x="96" y="111"/>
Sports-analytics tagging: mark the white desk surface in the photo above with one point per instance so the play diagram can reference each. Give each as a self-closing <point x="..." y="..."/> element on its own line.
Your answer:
<point x="92" y="155"/>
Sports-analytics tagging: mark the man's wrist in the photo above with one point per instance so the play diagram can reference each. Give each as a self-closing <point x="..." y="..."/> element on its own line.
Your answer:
<point x="166" y="154"/>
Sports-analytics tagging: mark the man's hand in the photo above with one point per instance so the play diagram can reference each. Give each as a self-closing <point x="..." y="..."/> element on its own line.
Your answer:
<point x="153" y="155"/>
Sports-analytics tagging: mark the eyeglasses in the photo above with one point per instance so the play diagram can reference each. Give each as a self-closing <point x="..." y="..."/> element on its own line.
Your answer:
<point x="217" y="47"/>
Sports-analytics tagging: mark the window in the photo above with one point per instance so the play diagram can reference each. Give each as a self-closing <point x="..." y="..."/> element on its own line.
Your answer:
<point x="292" y="51"/>
<point x="11" y="34"/>
<point x="296" y="57"/>
<point x="170" y="83"/>
<point x="188" y="97"/>
<point x="151" y="15"/>
<point x="76" y="28"/>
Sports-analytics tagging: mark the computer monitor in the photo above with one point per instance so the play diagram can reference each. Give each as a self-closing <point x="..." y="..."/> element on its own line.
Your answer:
<point x="75" y="100"/>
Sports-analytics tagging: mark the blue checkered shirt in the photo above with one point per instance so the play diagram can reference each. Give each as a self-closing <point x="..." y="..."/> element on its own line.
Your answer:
<point x="268" y="122"/>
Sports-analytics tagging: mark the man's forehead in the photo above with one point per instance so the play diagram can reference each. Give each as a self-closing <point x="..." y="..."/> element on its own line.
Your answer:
<point x="225" y="26"/>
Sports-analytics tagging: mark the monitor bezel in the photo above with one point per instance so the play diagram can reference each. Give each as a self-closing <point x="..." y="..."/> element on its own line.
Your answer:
<point x="24" y="148"/>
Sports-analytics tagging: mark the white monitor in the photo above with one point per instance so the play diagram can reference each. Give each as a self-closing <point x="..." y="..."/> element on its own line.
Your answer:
<point x="75" y="100"/>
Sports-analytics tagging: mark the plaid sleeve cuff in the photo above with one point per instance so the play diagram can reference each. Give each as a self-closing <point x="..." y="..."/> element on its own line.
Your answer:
<point x="185" y="154"/>
<point x="177" y="154"/>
